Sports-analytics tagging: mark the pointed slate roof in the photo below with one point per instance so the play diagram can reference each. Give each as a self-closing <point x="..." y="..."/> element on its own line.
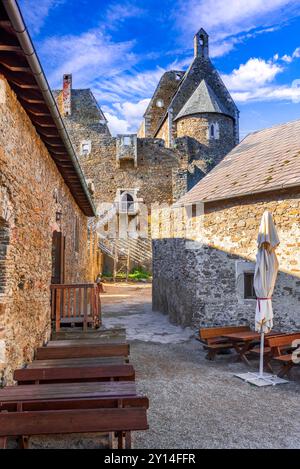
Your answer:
<point x="202" y="100"/>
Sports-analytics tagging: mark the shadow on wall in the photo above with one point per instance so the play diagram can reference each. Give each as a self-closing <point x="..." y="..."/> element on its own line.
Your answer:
<point x="199" y="286"/>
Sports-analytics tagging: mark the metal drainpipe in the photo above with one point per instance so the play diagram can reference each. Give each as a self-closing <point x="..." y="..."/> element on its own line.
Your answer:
<point x="15" y="16"/>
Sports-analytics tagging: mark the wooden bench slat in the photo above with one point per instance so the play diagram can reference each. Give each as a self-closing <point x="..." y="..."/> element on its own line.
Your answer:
<point x="67" y="391"/>
<point x="282" y="340"/>
<point x="76" y="362"/>
<point x="85" y="342"/>
<point x="72" y="421"/>
<point x="217" y="332"/>
<point x="42" y="375"/>
<point x="82" y="403"/>
<point x="103" y="350"/>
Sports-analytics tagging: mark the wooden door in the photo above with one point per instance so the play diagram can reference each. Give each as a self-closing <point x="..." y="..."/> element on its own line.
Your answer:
<point x="58" y="258"/>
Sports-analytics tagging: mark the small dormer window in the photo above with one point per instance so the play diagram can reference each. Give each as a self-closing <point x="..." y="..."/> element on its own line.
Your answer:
<point x="86" y="148"/>
<point x="160" y="103"/>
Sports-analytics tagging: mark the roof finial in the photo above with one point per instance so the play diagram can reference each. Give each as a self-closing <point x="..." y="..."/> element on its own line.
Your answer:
<point x="201" y="44"/>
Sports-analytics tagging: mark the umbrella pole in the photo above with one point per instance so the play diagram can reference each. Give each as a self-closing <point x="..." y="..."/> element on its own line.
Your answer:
<point x="261" y="358"/>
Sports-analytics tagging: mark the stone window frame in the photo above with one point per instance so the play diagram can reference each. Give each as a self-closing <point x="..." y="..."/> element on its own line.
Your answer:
<point x="88" y="144"/>
<point x="243" y="267"/>
<point x="215" y="135"/>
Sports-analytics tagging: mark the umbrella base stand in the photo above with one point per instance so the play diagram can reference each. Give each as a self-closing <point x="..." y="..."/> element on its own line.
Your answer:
<point x="265" y="379"/>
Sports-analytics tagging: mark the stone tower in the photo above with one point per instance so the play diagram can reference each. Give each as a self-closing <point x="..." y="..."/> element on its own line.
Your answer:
<point x="200" y="117"/>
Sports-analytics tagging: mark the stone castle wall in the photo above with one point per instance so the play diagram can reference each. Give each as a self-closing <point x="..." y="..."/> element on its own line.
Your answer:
<point x="32" y="191"/>
<point x="152" y="176"/>
<point x="205" y="286"/>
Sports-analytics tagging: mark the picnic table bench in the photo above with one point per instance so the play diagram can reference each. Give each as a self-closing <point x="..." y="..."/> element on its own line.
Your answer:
<point x="44" y="375"/>
<point x="82" y="351"/>
<point x="122" y="421"/>
<point x="214" y="341"/>
<point x="279" y="350"/>
<point x="119" y="414"/>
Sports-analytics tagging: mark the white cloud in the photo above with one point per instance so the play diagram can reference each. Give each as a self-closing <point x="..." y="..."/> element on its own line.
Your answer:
<point x="117" y="125"/>
<point x="128" y="85"/>
<point x="254" y="73"/>
<point x="36" y="14"/>
<point x="231" y="22"/>
<point x="117" y="13"/>
<point x="89" y="56"/>
<point x="289" y="58"/>
<point x="254" y="81"/>
<point x="125" y="117"/>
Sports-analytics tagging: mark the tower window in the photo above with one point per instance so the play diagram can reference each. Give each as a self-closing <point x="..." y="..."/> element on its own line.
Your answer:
<point x="213" y="131"/>
<point x="126" y="141"/>
<point x="159" y="103"/>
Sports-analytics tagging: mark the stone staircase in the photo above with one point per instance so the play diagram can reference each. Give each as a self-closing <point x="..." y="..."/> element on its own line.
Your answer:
<point x="124" y="251"/>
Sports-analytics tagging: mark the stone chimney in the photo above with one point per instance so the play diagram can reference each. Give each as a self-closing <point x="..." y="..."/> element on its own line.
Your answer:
<point x="67" y="95"/>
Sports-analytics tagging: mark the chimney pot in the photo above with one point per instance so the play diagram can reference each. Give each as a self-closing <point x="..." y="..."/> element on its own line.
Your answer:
<point x="67" y="94"/>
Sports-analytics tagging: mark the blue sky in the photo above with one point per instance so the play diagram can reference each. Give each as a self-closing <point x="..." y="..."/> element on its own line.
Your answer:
<point x="120" y="50"/>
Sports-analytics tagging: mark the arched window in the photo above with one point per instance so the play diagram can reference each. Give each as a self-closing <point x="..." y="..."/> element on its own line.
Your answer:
<point x="127" y="202"/>
<point x="201" y="40"/>
<point x="213" y="131"/>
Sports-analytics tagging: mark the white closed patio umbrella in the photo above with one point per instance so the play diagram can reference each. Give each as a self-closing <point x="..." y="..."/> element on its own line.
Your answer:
<point x="266" y="269"/>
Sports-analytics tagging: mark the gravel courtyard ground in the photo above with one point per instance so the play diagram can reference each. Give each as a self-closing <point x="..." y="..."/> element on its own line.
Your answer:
<point x="195" y="403"/>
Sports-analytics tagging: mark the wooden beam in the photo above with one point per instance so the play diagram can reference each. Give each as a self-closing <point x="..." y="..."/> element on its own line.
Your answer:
<point x="10" y="48"/>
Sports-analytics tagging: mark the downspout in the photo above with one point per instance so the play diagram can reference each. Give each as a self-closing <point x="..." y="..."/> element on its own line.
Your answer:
<point x="16" y="19"/>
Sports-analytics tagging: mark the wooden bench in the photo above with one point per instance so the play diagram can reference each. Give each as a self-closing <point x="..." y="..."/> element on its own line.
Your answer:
<point x="213" y="342"/>
<point x="280" y="347"/>
<point x="45" y="375"/>
<point x="106" y="420"/>
<point x="76" y="362"/>
<point x="84" y="351"/>
<point x="70" y="398"/>
<point x="116" y="333"/>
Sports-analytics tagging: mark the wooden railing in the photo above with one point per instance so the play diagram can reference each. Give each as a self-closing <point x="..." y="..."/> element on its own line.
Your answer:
<point x="75" y="304"/>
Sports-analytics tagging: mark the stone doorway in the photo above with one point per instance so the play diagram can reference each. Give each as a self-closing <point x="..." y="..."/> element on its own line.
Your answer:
<point x="58" y="258"/>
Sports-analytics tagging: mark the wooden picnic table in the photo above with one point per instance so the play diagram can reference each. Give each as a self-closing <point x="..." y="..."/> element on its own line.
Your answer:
<point x="66" y="391"/>
<point x="244" y="341"/>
